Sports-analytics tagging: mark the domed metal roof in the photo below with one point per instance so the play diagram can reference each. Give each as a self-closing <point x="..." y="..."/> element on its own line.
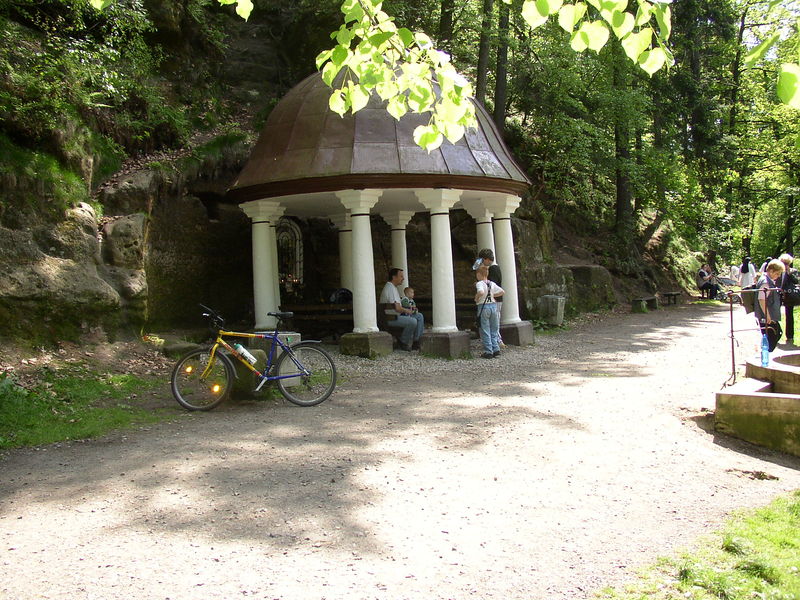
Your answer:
<point x="306" y="148"/>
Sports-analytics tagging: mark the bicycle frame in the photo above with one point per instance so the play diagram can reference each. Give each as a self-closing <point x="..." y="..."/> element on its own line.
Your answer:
<point x="264" y="376"/>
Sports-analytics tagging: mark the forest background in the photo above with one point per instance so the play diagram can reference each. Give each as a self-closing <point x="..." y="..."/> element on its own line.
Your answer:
<point x="703" y="152"/>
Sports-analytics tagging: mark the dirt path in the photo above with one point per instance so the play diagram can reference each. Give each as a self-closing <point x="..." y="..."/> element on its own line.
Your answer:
<point x="549" y="473"/>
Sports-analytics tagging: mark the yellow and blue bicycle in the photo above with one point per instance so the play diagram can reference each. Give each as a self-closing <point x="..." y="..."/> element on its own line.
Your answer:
<point x="303" y="372"/>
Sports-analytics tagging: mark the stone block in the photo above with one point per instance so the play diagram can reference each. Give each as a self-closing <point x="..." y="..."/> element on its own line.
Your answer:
<point x="518" y="334"/>
<point x="453" y="344"/>
<point x="551" y="309"/>
<point x="369" y="345"/>
<point x="245" y="381"/>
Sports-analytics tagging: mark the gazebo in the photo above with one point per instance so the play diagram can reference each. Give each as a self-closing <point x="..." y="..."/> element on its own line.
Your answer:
<point x="311" y="162"/>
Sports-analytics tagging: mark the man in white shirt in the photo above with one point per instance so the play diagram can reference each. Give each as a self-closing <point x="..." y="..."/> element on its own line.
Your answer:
<point x="412" y="323"/>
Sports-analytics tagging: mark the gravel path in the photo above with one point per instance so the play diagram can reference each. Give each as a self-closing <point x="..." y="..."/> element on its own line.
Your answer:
<point x="549" y="473"/>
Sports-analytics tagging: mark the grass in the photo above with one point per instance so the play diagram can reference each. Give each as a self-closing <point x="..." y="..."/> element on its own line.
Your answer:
<point x="70" y="404"/>
<point x="756" y="556"/>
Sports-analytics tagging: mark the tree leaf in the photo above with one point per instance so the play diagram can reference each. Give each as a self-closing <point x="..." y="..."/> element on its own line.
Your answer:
<point x="379" y="38"/>
<point x="636" y="43"/>
<point x="579" y="40"/>
<point x="405" y="36"/>
<point x="329" y="73"/>
<point x="452" y="131"/>
<point x="101" y="4"/>
<point x="428" y="137"/>
<point x="789" y="84"/>
<point x="323" y="57"/>
<point x="566" y="17"/>
<point x="387" y="90"/>
<point x="548" y="7"/>
<point x="338" y="102"/>
<point x="652" y="60"/>
<point x="621" y="22"/>
<point x="397" y="107"/>
<point x="359" y="96"/>
<point x="757" y="53"/>
<point x="532" y="14"/>
<point x="598" y="34"/>
<point x="339" y="55"/>
<point x="244" y="8"/>
<point x="570" y="14"/>
<point x="663" y="15"/>
<point x="352" y="11"/>
<point x="644" y="13"/>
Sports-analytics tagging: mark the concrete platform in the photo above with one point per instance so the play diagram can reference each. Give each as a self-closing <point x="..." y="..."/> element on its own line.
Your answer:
<point x="518" y="334"/>
<point x="368" y="345"/>
<point x="764" y="408"/>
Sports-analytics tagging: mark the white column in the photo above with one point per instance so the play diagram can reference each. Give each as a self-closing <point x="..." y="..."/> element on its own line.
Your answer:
<point x="342" y="223"/>
<point x="483" y="223"/>
<point x="439" y="203"/>
<point x="265" y="273"/>
<point x="398" y="220"/>
<point x="359" y="203"/>
<point x="504" y="253"/>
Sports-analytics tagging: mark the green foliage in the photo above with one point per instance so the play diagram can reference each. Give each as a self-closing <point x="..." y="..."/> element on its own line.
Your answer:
<point x="69" y="404"/>
<point x="37" y="180"/>
<point x="758" y="557"/>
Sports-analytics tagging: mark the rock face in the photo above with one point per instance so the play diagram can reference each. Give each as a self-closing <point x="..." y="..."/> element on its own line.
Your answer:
<point x="50" y="280"/>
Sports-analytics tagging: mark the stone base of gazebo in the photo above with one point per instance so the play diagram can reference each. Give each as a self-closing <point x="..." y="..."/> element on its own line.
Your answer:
<point x="454" y="344"/>
<point x="518" y="334"/>
<point x="369" y="345"/>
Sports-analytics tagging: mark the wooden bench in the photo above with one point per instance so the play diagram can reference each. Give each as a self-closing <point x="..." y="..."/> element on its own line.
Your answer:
<point x="671" y="297"/>
<point x="641" y="305"/>
<point x="321" y="319"/>
<point x="383" y="320"/>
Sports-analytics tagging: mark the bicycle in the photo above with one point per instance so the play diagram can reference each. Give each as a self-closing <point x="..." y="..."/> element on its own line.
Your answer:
<point x="304" y="372"/>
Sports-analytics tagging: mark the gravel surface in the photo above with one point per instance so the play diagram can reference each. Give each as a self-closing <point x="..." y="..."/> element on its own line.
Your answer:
<point x="550" y="472"/>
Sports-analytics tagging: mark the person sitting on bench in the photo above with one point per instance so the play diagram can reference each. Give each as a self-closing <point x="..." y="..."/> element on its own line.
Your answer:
<point x="706" y="281"/>
<point x="411" y="322"/>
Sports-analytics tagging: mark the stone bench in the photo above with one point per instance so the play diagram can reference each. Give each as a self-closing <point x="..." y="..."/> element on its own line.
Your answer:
<point x="642" y="305"/>
<point x="671" y="297"/>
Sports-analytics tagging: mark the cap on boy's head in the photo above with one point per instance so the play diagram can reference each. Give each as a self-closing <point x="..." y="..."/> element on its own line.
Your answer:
<point x="486" y="253"/>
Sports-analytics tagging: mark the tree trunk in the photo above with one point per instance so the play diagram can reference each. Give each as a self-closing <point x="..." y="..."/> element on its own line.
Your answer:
<point x="446" y="24"/>
<point x="622" y="154"/>
<point x="790" y="223"/>
<point x="501" y="72"/>
<point x="483" y="51"/>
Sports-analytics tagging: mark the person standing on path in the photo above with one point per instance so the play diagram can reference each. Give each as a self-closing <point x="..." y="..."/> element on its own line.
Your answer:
<point x="768" y="302"/>
<point x="486" y="257"/>
<point x="488" y="317"/>
<point x="747" y="273"/>
<point x="788" y="281"/>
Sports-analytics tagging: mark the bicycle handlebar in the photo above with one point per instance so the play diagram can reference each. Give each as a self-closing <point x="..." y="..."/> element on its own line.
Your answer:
<point x="218" y="322"/>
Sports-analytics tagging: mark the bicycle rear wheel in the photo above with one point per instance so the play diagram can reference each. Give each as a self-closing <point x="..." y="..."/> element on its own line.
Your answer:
<point x="313" y="387"/>
<point x="200" y="382"/>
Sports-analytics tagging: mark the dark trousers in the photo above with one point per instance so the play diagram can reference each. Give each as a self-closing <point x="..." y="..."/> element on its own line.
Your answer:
<point x="789" y="322"/>
<point x="713" y="289"/>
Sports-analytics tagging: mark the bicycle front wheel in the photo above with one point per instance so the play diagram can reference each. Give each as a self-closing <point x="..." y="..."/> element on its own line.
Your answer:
<point x="200" y="382"/>
<point x="314" y="374"/>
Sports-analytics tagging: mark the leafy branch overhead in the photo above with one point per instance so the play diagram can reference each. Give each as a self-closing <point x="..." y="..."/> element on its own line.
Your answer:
<point x="404" y="68"/>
